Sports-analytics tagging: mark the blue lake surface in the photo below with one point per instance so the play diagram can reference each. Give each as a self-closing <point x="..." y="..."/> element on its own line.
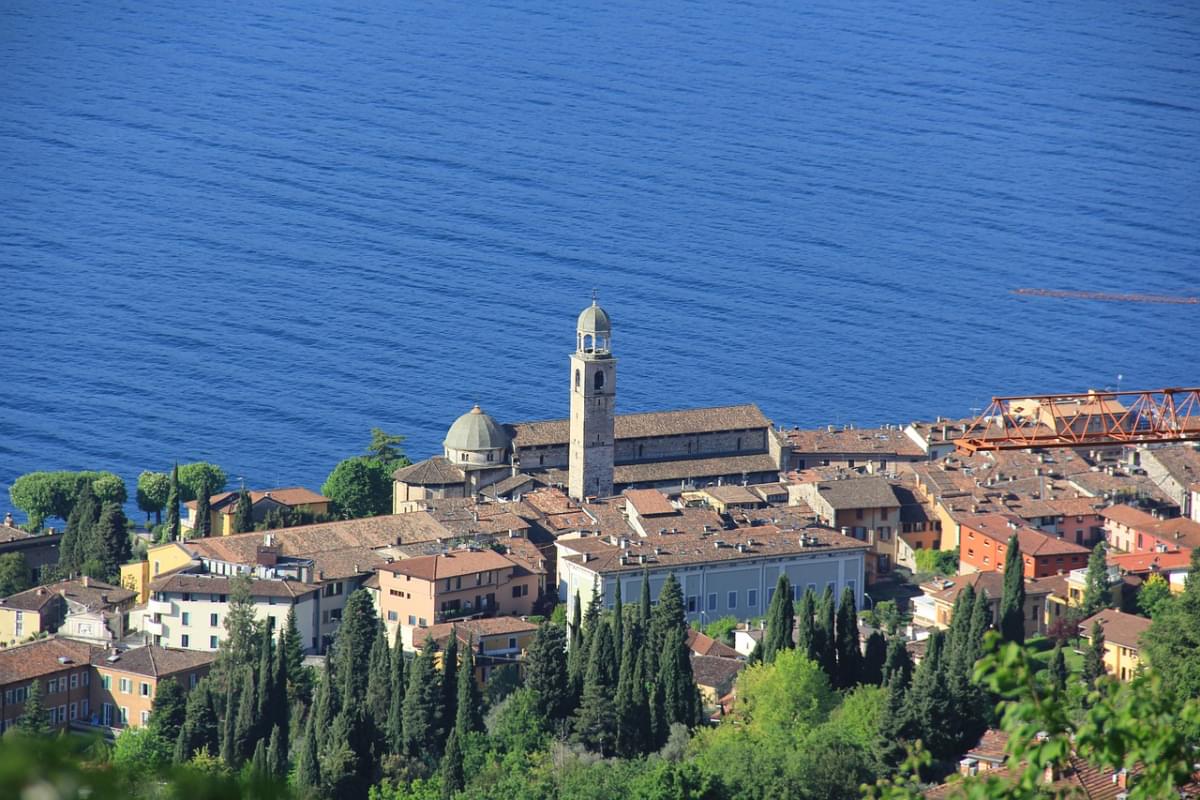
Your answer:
<point x="249" y="231"/>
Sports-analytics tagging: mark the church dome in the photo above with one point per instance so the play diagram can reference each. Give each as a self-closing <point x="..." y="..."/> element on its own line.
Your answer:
<point x="476" y="430"/>
<point x="594" y="319"/>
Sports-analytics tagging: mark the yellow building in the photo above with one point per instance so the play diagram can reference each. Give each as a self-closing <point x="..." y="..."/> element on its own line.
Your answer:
<point x="498" y="641"/>
<point x="222" y="508"/>
<point x="43" y="609"/>
<point x="160" y="560"/>
<point x="1122" y="640"/>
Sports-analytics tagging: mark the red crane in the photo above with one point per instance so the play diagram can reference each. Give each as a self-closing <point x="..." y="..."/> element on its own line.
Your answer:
<point x="1080" y="420"/>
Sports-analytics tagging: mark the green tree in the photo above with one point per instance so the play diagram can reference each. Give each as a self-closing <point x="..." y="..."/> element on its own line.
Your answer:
<point x="780" y="620"/>
<point x="32" y="721"/>
<point x="360" y="486"/>
<point x="596" y="719"/>
<point x="546" y="672"/>
<point x="141" y="752"/>
<point x="1154" y="596"/>
<point x="888" y="617"/>
<point x="898" y="662"/>
<point x="78" y="543"/>
<point x="200" y="479"/>
<point x="299" y="677"/>
<point x="111" y="536"/>
<point x="1093" y="659"/>
<point x="379" y="681"/>
<point x="14" y="574"/>
<point x="245" y="725"/>
<point x="449" y="683"/>
<point x="825" y="635"/>
<point x="936" y="562"/>
<point x="276" y="753"/>
<point x="35" y="494"/>
<point x="152" y="491"/>
<point x="173" y="531"/>
<point x="849" y="656"/>
<point x="200" y="724"/>
<point x="1058" y="671"/>
<point x="395" y="722"/>
<point x="243" y="515"/>
<point x="385" y="448"/>
<point x="202" y="520"/>
<point x="168" y="712"/>
<point x="453" y="780"/>
<point x="468" y="704"/>
<point x="308" y="766"/>
<point x="895" y="727"/>
<point x="873" y="659"/>
<point x="422" y="700"/>
<point x="240" y="647"/>
<point x="1173" y="639"/>
<point x="630" y="700"/>
<point x="1012" y="602"/>
<point x="109" y="488"/>
<point x="806" y="629"/>
<point x="929" y="705"/>
<point x="1097" y="594"/>
<point x="680" y="702"/>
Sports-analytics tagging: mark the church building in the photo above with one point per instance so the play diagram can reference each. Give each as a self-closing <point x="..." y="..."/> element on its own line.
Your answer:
<point x="596" y="452"/>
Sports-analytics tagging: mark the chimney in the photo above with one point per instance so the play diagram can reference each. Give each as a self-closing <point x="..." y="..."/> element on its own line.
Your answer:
<point x="86" y="581"/>
<point x="1122" y="779"/>
<point x="8" y="520"/>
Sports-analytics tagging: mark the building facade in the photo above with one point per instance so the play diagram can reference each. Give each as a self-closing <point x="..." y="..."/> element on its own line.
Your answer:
<point x="593" y="405"/>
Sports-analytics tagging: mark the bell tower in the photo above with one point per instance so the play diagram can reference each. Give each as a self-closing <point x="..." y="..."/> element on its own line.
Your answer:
<point x="593" y="404"/>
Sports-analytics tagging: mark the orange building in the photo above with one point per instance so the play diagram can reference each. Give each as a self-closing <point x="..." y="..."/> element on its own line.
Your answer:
<point x="983" y="542"/>
<point x="424" y="591"/>
<point x="63" y="672"/>
<point x="125" y="682"/>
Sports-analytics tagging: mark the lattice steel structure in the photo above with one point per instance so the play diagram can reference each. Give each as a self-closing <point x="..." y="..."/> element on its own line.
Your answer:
<point x="1080" y="420"/>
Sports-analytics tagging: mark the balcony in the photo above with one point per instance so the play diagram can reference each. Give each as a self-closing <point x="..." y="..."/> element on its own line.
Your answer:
<point x="160" y="607"/>
<point x="152" y="628"/>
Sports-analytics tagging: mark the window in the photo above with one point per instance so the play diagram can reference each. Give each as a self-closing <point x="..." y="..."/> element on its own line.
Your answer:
<point x="770" y="594"/>
<point x="577" y="378"/>
<point x="74" y="679"/>
<point x="184" y="641"/>
<point x="858" y="513"/>
<point x="106" y="681"/>
<point x="145" y="689"/>
<point x="52" y="686"/>
<point x="883" y="513"/>
<point x="214" y="642"/>
<point x="412" y="619"/>
<point x="126" y="686"/>
<point x="145" y="717"/>
<point x="193" y="679"/>
<point x="74" y="710"/>
<point x="598" y="380"/>
<point x="212" y="598"/>
<point x="335" y="615"/>
<point x="478" y="578"/>
<point x="691" y="604"/>
<point x="393" y="616"/>
<point x="712" y="601"/>
<point x="107" y="715"/>
<point x="185" y="619"/>
<point x="796" y="592"/>
<point x="187" y="597"/>
<point x="752" y="597"/>
<point x="124" y="715"/>
<point x="421" y="621"/>
<point x="516" y="591"/>
<point x="732" y="600"/>
<point x="83" y="707"/>
<point x="512" y="643"/>
<point x="885" y="533"/>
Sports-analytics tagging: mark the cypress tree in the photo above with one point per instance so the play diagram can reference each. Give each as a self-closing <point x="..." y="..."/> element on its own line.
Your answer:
<point x="75" y="546"/>
<point x="546" y="672"/>
<point x="202" y="524"/>
<point x="981" y="620"/>
<point x="929" y="705"/>
<point x="32" y="721"/>
<point x="873" y="659"/>
<point x="421" y="701"/>
<point x="657" y="724"/>
<point x="172" y="533"/>
<point x="1058" y="671"/>
<point x="200" y="730"/>
<point x="379" y="681"/>
<point x="258" y="762"/>
<point x="644" y="607"/>
<point x="299" y="677"/>
<point x="449" y="684"/>
<point x="618" y="623"/>
<point x="276" y="754"/>
<point x="326" y="708"/>
<point x="308" y="767"/>
<point x="894" y="727"/>
<point x="356" y="635"/>
<point x="229" y="720"/>
<point x="630" y="700"/>
<point x="826" y="635"/>
<point x="245" y="728"/>
<point x="898" y="662"/>
<point x="778" y="635"/>
<point x="1097" y="594"/>
<point x="960" y="620"/>
<point x="1012" y="603"/>
<point x="595" y="720"/>
<point x="849" y="655"/>
<point x="806" y="627"/>
<point x="468" y="703"/>
<point x="674" y="661"/>
<point x="395" y="725"/>
<point x="243" y="515"/>
<point x="453" y="780"/>
<point x="1093" y="659"/>
<point x="111" y="538"/>
<point x="576" y="657"/>
<point x="280" y="705"/>
<point x="168" y="712"/>
<point x="264" y="716"/>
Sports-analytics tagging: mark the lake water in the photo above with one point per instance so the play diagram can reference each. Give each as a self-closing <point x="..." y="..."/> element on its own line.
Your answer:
<point x="249" y="231"/>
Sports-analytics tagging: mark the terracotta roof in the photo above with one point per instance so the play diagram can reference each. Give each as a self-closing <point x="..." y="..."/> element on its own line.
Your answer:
<point x="990" y="747"/>
<point x="992" y="582"/>
<point x="474" y="628"/>
<point x="733" y="493"/>
<point x="677" y="549"/>
<point x="436" y="471"/>
<point x="1181" y="530"/>
<point x="96" y="594"/>
<point x="695" y="469"/>
<point x="27" y="661"/>
<point x="1119" y="627"/>
<point x="858" y="493"/>
<point x="153" y="661"/>
<point x="448" y="565"/>
<point x="854" y="441"/>
<point x="11" y="534"/>
<point x="1033" y="542"/>
<point x="649" y="502"/>
<point x="704" y="645"/>
<point x="287" y="495"/>
<point x="1128" y="516"/>
<point x="204" y="583"/>
<point x="715" y="672"/>
<point x="1148" y="562"/>
<point x="505" y="487"/>
<point x="1181" y="462"/>
<point x="654" y="423"/>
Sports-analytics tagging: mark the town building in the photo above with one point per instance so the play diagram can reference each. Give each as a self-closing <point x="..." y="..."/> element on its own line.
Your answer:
<point x="1172" y="566"/>
<point x="287" y="502"/>
<point x="1132" y="530"/>
<point x="937" y="439"/>
<point x="39" y="549"/>
<point x="935" y="607"/>
<point x="63" y="669"/>
<point x="873" y="450"/>
<point x="1122" y="640"/>
<point x="125" y="682"/>
<point x="428" y="590"/>
<point x="85" y="608"/>
<point x="1174" y="468"/>
<point x="674" y="450"/>
<point x="187" y="610"/>
<point x="497" y="641"/>
<point x="865" y="508"/>
<point x="985" y="540"/>
<point x="722" y="572"/>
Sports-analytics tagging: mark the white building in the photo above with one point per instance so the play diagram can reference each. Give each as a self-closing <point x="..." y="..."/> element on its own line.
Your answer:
<point x="188" y="610"/>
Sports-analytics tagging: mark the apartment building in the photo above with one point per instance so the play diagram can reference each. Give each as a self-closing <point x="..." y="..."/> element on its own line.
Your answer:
<point x="63" y="669"/>
<point x="866" y="509"/>
<point x="497" y="641"/>
<point x="984" y="541"/>
<point x="91" y="609"/>
<point x="1122" y="640"/>
<point x="125" y="682"/>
